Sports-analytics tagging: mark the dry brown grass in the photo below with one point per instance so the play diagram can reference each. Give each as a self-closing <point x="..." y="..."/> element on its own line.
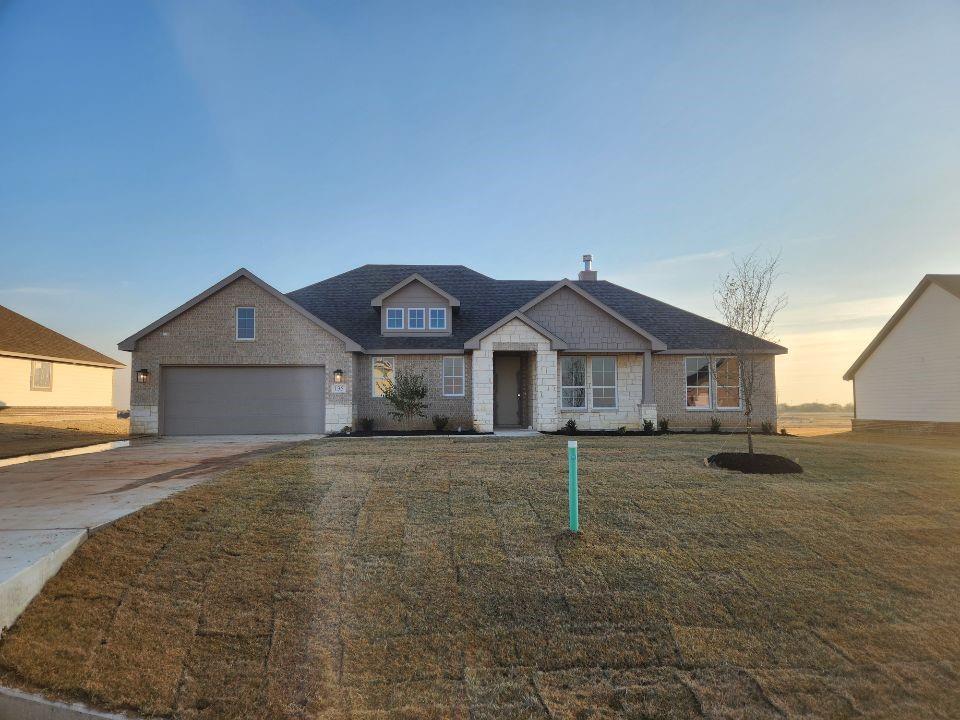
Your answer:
<point x="25" y="436"/>
<point x="428" y="578"/>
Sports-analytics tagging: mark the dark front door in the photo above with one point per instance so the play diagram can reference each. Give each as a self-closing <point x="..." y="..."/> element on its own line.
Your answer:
<point x="506" y="397"/>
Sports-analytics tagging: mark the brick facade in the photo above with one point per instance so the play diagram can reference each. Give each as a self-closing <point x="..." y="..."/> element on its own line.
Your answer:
<point x="205" y="334"/>
<point x="457" y="409"/>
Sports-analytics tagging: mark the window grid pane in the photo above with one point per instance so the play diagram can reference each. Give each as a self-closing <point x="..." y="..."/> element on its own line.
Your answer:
<point x="41" y="375"/>
<point x="438" y="318"/>
<point x="394" y="318"/>
<point x="246" y="323"/>
<point x="604" y="378"/>
<point x="453" y="376"/>
<point x="698" y="382"/>
<point x="415" y="319"/>
<point x="383" y="368"/>
<point x="573" y="378"/>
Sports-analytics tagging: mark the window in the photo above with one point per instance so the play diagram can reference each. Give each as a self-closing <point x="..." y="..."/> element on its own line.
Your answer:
<point x="726" y="373"/>
<point x="453" y="375"/>
<point x="41" y="375"/>
<point x="438" y="318"/>
<point x="604" y="385"/>
<point x="698" y="382"/>
<point x="415" y="318"/>
<point x="394" y="318"/>
<point x="573" y="393"/>
<point x="383" y="368"/>
<point x="246" y="323"/>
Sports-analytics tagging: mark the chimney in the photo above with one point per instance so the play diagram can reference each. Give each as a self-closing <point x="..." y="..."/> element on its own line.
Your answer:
<point x="588" y="273"/>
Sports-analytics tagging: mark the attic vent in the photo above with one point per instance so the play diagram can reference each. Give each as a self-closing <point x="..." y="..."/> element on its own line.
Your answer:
<point x="588" y="273"/>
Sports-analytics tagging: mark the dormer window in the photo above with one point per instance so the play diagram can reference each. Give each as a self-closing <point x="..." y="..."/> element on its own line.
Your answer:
<point x="394" y="318"/>
<point x="438" y="318"/>
<point x="415" y="318"/>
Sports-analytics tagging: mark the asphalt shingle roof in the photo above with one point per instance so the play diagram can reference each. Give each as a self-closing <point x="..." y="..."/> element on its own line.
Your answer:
<point x="21" y="335"/>
<point x="343" y="301"/>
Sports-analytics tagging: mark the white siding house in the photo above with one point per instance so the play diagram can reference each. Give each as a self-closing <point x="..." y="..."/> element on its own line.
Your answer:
<point x="908" y="375"/>
<point x="42" y="369"/>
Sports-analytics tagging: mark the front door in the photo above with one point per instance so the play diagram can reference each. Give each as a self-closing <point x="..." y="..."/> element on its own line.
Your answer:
<point x="506" y="396"/>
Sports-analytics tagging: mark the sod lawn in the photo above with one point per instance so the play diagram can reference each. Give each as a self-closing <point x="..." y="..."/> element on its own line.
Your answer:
<point x="434" y="578"/>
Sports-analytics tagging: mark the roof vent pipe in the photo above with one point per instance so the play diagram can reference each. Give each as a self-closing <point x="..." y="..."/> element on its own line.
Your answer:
<point x="588" y="273"/>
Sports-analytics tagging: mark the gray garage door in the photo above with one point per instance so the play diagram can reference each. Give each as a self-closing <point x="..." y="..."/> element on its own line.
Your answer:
<point x="241" y="400"/>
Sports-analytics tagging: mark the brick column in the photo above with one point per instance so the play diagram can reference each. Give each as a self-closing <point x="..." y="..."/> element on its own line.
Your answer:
<point x="648" y="408"/>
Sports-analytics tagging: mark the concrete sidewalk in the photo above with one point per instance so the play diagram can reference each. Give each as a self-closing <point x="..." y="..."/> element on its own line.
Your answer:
<point x="49" y="507"/>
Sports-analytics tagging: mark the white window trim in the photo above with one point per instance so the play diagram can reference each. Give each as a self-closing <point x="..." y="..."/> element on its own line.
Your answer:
<point x="410" y="325"/>
<point x="373" y="372"/>
<point x="586" y="401"/>
<point x="236" y="323"/>
<point x="463" y="373"/>
<point x="403" y="315"/>
<point x="714" y="385"/>
<point x="616" y="392"/>
<point x="429" y="320"/>
<point x="711" y="385"/>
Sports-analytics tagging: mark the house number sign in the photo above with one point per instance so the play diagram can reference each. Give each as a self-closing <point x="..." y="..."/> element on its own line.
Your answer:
<point x="339" y="388"/>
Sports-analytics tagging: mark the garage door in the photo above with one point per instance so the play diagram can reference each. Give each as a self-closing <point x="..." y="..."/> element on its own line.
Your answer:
<point x="241" y="400"/>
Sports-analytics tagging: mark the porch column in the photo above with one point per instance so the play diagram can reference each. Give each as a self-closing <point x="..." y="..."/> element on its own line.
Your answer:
<point x="648" y="407"/>
<point x="482" y="365"/>
<point x="546" y="399"/>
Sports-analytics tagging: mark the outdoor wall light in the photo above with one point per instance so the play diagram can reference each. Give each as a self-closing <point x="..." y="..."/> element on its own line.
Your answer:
<point x="338" y="376"/>
<point x="143" y="376"/>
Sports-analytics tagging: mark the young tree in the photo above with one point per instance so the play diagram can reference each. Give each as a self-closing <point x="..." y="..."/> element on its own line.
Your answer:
<point x="745" y="298"/>
<point x="406" y="393"/>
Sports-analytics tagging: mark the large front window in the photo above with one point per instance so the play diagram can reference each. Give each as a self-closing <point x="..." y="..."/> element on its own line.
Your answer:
<point x="383" y="368"/>
<point x="573" y="374"/>
<point x="712" y="383"/>
<point x="604" y="381"/>
<point x="698" y="382"/>
<point x="726" y="373"/>
<point x="453" y="376"/>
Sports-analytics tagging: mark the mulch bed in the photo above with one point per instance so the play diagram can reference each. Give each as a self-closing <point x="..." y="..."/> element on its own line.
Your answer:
<point x="400" y="433"/>
<point x="760" y="463"/>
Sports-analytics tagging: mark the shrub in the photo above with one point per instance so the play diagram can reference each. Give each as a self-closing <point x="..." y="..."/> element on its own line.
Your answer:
<point x="648" y="427"/>
<point x="783" y="431"/>
<point x="766" y="427"/>
<point x="346" y="429"/>
<point x="440" y="422"/>
<point x="406" y="394"/>
<point x="715" y="424"/>
<point x="663" y="424"/>
<point x="570" y="428"/>
<point x="366" y="424"/>
<point x="622" y="430"/>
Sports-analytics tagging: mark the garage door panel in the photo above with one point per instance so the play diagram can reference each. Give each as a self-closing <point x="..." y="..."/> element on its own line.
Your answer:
<point x="242" y="400"/>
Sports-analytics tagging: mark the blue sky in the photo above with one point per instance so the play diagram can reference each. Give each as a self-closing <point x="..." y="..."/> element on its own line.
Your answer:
<point x="149" y="149"/>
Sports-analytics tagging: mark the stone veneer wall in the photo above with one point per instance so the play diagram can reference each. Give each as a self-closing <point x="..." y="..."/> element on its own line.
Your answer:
<point x="206" y="335"/>
<point x="458" y="409"/>
<point x="516" y="336"/>
<point x="669" y="382"/>
<point x="629" y="396"/>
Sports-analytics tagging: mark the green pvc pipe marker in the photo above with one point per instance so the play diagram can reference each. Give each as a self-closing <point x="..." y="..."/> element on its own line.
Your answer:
<point x="573" y="490"/>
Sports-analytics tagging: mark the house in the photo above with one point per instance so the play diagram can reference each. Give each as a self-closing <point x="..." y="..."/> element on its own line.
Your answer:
<point x="242" y="357"/>
<point x="42" y="370"/>
<point x="907" y="376"/>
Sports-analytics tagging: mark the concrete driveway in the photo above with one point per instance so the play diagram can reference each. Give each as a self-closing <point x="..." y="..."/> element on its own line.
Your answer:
<point x="49" y="507"/>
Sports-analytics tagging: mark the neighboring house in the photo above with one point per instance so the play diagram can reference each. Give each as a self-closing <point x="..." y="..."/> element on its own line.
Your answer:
<point x="242" y="357"/>
<point x="907" y="377"/>
<point x="40" y="368"/>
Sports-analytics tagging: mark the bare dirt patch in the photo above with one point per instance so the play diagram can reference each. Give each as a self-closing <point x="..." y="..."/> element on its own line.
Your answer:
<point x="437" y="580"/>
<point x="22" y="436"/>
<point x="756" y="464"/>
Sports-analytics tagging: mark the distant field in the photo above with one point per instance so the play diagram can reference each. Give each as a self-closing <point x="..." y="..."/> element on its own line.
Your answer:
<point x="814" y="423"/>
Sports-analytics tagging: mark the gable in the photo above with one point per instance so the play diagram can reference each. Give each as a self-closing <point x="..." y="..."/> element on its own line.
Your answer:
<point x="415" y="294"/>
<point x="583" y="325"/>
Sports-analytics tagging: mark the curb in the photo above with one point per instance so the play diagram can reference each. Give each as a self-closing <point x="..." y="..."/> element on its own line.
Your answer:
<point x="19" y="705"/>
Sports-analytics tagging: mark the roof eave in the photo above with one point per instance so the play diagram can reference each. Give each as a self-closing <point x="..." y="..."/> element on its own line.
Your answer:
<point x="114" y="364"/>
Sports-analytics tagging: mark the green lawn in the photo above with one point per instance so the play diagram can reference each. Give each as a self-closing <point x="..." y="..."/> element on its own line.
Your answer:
<point x="434" y="578"/>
